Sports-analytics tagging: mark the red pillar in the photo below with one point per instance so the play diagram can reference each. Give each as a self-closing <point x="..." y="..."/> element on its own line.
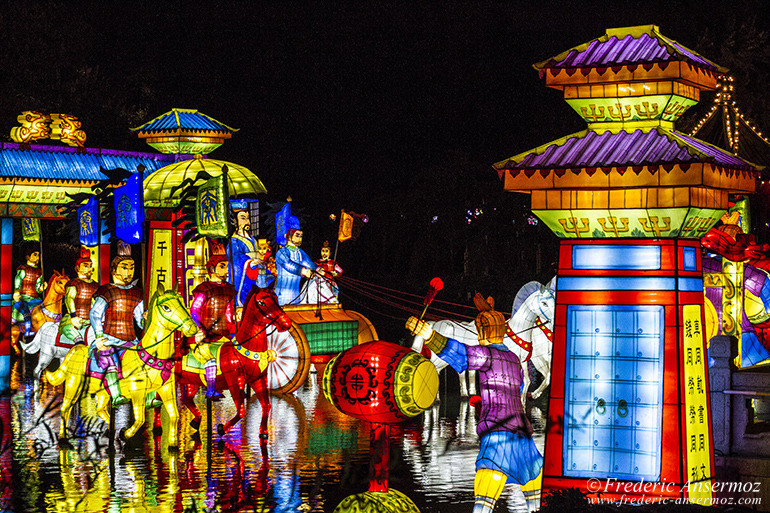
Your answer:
<point x="104" y="256"/>
<point x="6" y="291"/>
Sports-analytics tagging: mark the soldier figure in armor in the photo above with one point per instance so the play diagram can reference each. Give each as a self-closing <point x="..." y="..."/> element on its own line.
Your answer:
<point x="213" y="309"/>
<point x="28" y="287"/>
<point x="116" y="306"/>
<point x="78" y="299"/>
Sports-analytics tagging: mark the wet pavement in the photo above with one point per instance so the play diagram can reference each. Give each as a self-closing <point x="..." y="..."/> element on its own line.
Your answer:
<point x="314" y="457"/>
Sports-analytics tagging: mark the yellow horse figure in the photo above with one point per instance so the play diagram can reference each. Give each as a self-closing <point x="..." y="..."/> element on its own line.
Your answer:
<point x="147" y="367"/>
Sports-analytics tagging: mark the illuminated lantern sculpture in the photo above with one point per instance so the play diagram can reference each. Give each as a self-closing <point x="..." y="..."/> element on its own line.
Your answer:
<point x="66" y="128"/>
<point x="736" y="286"/>
<point x="184" y="131"/>
<point x="34" y="125"/>
<point x="630" y="198"/>
<point x="381" y="383"/>
<point x="507" y="451"/>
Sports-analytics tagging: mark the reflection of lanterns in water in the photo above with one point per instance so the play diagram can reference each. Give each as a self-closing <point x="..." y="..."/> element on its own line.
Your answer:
<point x="381" y="383"/>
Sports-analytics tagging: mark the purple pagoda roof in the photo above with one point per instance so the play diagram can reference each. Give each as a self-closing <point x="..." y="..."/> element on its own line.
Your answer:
<point x="627" y="46"/>
<point x="639" y="147"/>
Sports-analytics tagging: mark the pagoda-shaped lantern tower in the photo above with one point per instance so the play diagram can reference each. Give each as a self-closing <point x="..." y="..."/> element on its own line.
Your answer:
<point x="190" y="135"/>
<point x="629" y="197"/>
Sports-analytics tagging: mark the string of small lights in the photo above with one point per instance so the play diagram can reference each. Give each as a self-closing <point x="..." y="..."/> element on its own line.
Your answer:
<point x="723" y="99"/>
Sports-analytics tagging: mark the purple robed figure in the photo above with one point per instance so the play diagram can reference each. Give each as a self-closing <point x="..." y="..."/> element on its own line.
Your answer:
<point x="507" y="450"/>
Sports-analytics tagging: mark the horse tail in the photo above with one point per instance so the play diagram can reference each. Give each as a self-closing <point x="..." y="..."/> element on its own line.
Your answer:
<point x="38" y="342"/>
<point x="73" y="363"/>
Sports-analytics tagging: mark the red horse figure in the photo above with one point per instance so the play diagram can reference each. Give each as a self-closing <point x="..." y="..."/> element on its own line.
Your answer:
<point x="240" y="361"/>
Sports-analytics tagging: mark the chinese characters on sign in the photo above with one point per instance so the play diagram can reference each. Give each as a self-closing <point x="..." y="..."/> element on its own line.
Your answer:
<point x="162" y="260"/>
<point x="697" y="426"/>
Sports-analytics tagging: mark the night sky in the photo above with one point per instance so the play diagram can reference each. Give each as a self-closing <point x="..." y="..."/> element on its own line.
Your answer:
<point x="341" y="100"/>
<point x="366" y="106"/>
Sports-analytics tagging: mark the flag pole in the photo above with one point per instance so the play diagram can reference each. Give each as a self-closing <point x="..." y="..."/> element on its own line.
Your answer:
<point x="145" y="257"/>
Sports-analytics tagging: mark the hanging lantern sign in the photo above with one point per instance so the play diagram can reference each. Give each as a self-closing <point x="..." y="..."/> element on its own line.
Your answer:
<point x="30" y="228"/>
<point x="211" y="206"/>
<point x="129" y="210"/>
<point x="88" y="221"/>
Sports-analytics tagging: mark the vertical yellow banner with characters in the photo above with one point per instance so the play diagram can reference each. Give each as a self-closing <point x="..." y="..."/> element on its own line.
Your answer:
<point x="162" y="261"/>
<point x="696" y="403"/>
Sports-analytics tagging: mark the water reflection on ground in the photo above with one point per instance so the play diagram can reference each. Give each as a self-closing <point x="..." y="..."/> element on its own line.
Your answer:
<point x="315" y="457"/>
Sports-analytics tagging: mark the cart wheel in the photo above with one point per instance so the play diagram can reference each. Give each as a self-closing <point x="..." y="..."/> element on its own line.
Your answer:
<point x="292" y="362"/>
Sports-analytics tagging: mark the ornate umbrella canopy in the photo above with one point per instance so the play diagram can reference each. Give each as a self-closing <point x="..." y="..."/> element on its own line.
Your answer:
<point x="158" y="185"/>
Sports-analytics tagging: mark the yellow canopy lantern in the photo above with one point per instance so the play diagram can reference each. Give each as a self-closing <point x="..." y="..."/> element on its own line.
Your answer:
<point x="158" y="185"/>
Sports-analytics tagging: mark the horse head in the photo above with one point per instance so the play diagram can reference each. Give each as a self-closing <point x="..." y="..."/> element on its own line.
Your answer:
<point x="261" y="309"/>
<point x="57" y="284"/>
<point x="168" y="313"/>
<point x="545" y="300"/>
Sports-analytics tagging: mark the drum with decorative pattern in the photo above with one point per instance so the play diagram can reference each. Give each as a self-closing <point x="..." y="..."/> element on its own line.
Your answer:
<point x="380" y="382"/>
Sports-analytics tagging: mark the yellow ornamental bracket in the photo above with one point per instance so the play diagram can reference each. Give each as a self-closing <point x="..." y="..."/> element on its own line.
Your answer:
<point x="34" y="126"/>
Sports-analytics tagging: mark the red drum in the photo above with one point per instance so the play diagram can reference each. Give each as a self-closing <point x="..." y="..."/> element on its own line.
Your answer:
<point x="380" y="382"/>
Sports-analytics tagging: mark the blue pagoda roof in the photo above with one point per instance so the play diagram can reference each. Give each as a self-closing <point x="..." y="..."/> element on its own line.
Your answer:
<point x="185" y="120"/>
<point x="65" y="163"/>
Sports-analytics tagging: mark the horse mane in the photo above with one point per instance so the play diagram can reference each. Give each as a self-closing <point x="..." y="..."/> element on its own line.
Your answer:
<point x="151" y="309"/>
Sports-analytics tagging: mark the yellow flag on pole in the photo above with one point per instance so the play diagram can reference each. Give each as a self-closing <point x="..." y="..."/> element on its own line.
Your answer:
<point x="346" y="227"/>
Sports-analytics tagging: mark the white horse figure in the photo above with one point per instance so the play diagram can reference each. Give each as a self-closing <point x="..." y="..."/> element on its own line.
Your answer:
<point x="45" y="343"/>
<point x="531" y="324"/>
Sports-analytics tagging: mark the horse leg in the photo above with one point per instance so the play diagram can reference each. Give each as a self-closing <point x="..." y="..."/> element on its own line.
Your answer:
<point x="70" y="393"/>
<point x="168" y="396"/>
<point x="157" y="428"/>
<point x="138" y="407"/>
<point x="42" y="363"/>
<point x="260" y="389"/>
<point x="525" y="384"/>
<point x="188" y="392"/>
<point x="235" y="383"/>
<point x="463" y="376"/>
<point x="15" y="335"/>
<point x="102" y="405"/>
<point x="542" y="367"/>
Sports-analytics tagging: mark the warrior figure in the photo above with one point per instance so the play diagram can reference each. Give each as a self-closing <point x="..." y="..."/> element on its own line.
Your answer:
<point x="213" y="309"/>
<point x="28" y="287"/>
<point x="507" y="450"/>
<point x="116" y="306"/>
<point x="78" y="299"/>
